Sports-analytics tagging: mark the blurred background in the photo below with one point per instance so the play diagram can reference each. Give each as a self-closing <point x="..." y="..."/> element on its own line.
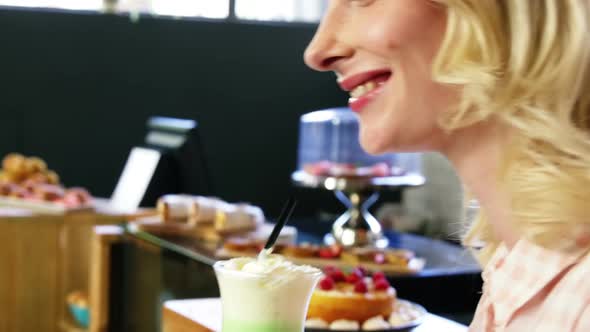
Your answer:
<point x="79" y="86"/>
<point x="79" y="80"/>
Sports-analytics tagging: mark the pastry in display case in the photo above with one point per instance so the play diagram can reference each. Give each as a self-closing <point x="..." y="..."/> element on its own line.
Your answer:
<point x="330" y="157"/>
<point x="329" y="147"/>
<point x="226" y="218"/>
<point x="27" y="182"/>
<point x="208" y="218"/>
<point x="391" y="261"/>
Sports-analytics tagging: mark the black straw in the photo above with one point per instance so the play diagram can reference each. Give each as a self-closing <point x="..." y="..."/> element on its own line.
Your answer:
<point x="283" y="218"/>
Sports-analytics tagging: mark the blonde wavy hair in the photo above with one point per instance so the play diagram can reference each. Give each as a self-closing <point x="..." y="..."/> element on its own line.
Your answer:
<point x="526" y="63"/>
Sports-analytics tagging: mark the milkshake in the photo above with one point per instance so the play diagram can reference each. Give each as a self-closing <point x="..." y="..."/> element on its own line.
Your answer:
<point x="264" y="295"/>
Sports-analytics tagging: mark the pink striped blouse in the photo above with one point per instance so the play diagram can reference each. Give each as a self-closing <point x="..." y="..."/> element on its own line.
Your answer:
<point x="533" y="289"/>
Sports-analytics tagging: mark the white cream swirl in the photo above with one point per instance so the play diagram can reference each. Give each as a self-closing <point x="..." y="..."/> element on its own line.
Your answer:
<point x="376" y="323"/>
<point x="275" y="265"/>
<point x="316" y="323"/>
<point x="344" y="325"/>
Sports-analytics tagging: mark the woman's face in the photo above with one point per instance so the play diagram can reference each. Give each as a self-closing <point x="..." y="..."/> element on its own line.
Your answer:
<point x="382" y="52"/>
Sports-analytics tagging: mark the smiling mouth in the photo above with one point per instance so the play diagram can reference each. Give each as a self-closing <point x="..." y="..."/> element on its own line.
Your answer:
<point x="370" y="85"/>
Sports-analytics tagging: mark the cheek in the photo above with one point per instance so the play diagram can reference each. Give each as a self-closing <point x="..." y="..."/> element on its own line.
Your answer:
<point x="382" y="37"/>
<point x="399" y="23"/>
<point x="405" y="120"/>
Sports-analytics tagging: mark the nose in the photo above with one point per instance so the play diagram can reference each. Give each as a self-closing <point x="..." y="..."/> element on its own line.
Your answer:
<point x="326" y="50"/>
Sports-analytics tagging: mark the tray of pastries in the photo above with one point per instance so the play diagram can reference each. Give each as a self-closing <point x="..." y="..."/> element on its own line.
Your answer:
<point x="390" y="261"/>
<point x="27" y="182"/>
<point x="358" y="300"/>
<point x="207" y="218"/>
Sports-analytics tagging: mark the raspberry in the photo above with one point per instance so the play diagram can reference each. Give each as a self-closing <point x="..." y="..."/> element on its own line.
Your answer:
<point x="353" y="278"/>
<point x="378" y="276"/>
<point x="360" y="287"/>
<point x="337" y="275"/>
<point x="382" y="284"/>
<point x="327" y="284"/>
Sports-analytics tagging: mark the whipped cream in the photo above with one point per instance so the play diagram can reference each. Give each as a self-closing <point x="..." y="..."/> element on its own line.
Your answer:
<point x="269" y="265"/>
<point x="345" y="325"/>
<point x="272" y="270"/>
<point x="403" y="314"/>
<point x="316" y="323"/>
<point x="376" y="323"/>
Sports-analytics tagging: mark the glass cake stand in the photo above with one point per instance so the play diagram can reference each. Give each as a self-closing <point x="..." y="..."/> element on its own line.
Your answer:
<point x="357" y="227"/>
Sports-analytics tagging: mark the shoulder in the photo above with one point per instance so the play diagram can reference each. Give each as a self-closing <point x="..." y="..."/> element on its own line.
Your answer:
<point x="572" y="283"/>
<point x="573" y="294"/>
<point x="576" y="278"/>
<point x="582" y="323"/>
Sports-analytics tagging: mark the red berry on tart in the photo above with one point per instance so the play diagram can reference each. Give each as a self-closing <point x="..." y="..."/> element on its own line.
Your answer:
<point x="382" y="285"/>
<point x="337" y="275"/>
<point x="353" y="278"/>
<point x="361" y="287"/>
<point x="378" y="275"/>
<point x="327" y="283"/>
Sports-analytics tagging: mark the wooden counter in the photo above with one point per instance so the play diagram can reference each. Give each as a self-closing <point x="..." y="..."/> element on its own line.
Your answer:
<point x="42" y="259"/>
<point x="204" y="315"/>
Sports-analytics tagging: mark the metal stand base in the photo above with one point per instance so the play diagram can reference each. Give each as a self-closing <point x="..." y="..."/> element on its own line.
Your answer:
<point x="357" y="227"/>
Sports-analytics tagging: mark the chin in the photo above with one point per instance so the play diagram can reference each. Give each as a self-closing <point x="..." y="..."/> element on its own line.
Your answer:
<point x="374" y="143"/>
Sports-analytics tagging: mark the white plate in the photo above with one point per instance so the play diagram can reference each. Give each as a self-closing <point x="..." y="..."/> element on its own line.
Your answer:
<point x="420" y="314"/>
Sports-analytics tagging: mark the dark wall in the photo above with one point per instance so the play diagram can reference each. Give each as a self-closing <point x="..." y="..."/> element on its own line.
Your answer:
<point x="76" y="89"/>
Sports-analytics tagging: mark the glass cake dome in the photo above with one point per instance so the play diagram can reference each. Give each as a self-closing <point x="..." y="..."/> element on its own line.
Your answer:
<point x="329" y="146"/>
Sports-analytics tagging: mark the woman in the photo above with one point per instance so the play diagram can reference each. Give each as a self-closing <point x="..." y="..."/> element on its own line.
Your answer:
<point x="499" y="88"/>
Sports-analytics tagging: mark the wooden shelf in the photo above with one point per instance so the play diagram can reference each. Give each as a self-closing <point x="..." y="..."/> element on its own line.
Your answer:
<point x="68" y="325"/>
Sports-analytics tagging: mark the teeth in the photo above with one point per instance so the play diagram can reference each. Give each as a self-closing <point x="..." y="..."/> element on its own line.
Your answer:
<point x="363" y="89"/>
<point x="358" y="91"/>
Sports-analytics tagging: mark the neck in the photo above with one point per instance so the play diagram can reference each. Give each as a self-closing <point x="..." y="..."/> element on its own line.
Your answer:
<point x="476" y="154"/>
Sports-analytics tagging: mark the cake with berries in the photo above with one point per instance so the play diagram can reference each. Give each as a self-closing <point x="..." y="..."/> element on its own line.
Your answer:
<point x="355" y="296"/>
<point x="329" y="147"/>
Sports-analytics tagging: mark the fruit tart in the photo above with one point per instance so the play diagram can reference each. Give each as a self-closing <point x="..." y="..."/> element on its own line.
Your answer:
<point x="355" y="296"/>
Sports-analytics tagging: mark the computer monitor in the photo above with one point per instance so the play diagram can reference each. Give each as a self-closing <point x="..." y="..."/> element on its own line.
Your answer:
<point x="171" y="160"/>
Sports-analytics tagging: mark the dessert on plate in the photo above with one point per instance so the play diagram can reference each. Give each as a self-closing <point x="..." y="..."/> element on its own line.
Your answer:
<point x="358" y="300"/>
<point x="356" y="296"/>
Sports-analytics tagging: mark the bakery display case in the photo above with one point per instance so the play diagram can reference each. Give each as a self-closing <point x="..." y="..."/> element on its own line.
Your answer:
<point x="182" y="267"/>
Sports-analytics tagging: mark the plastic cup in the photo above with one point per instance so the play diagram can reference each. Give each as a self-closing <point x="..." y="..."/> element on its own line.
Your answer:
<point x="264" y="302"/>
